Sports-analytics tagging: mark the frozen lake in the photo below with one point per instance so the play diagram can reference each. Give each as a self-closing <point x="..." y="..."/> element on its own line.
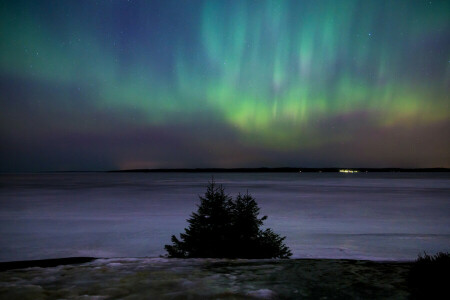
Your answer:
<point x="377" y="216"/>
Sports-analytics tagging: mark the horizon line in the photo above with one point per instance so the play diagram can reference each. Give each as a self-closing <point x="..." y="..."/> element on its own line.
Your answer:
<point x="244" y="170"/>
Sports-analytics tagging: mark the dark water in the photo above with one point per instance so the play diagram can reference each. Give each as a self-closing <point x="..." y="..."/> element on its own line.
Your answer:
<point x="377" y="216"/>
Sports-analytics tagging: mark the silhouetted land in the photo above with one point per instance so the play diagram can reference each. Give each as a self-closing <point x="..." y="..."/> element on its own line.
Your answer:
<point x="428" y="277"/>
<point x="44" y="263"/>
<point x="278" y="170"/>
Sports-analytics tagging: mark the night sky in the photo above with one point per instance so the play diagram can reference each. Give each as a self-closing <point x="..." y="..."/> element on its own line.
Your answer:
<point x="99" y="85"/>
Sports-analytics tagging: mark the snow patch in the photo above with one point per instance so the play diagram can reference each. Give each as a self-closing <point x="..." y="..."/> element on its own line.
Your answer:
<point x="262" y="294"/>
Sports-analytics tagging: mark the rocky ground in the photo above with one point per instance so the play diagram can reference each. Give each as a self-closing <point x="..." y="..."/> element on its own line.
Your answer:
<point x="159" y="278"/>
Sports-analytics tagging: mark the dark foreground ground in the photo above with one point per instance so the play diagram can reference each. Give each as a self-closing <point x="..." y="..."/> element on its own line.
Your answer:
<point x="159" y="278"/>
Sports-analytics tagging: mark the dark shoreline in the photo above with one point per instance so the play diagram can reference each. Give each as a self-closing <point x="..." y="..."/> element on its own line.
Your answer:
<point x="248" y="170"/>
<point x="44" y="263"/>
<point x="280" y="170"/>
<point x="54" y="262"/>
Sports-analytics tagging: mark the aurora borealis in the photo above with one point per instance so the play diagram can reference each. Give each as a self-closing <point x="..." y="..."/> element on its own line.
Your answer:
<point x="97" y="85"/>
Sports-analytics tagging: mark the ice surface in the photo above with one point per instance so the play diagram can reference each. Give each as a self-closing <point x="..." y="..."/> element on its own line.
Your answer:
<point x="380" y="216"/>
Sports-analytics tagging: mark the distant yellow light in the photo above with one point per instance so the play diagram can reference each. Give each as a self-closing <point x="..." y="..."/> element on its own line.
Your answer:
<point x="348" y="171"/>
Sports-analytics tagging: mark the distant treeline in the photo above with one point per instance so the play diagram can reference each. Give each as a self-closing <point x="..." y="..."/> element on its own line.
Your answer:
<point x="279" y="170"/>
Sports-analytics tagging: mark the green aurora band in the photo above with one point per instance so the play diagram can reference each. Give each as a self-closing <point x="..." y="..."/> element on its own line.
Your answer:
<point x="280" y="74"/>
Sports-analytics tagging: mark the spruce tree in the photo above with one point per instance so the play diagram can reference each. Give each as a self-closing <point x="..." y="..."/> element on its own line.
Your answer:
<point x="208" y="234"/>
<point x="252" y="242"/>
<point x="224" y="228"/>
<point x="246" y="226"/>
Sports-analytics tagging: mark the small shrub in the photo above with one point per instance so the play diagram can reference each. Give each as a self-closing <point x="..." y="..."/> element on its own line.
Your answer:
<point x="223" y="228"/>
<point x="429" y="276"/>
